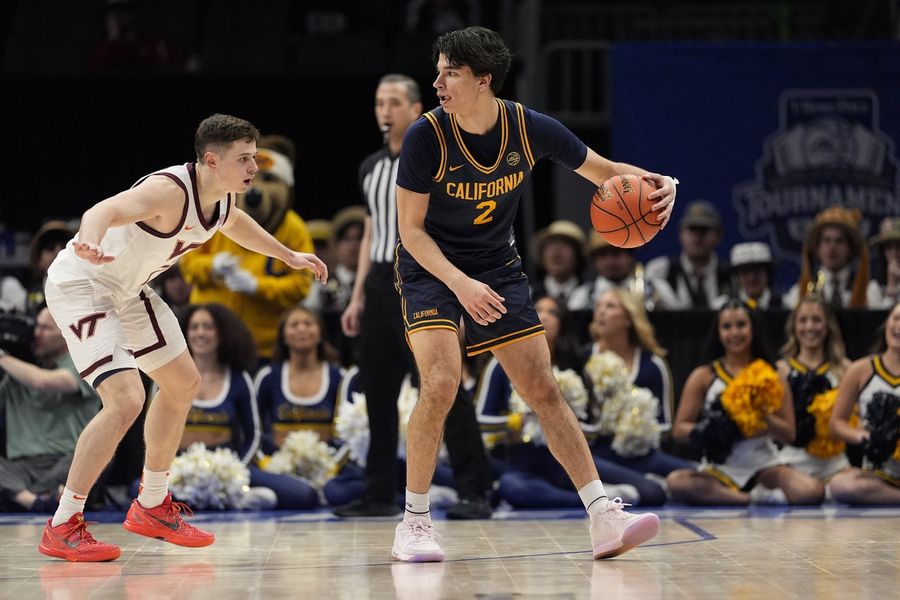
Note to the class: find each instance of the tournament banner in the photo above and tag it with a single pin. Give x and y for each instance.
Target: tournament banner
(770, 133)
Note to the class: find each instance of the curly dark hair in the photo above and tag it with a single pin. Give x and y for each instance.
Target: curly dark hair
(236, 349)
(480, 49)
(324, 350)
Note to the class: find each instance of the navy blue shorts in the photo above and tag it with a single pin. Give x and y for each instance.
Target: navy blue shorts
(429, 304)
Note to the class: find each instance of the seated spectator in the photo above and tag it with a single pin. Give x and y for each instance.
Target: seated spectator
(614, 267)
(741, 463)
(871, 387)
(125, 46)
(320, 230)
(558, 251)
(835, 262)
(47, 405)
(812, 362)
(28, 299)
(887, 251)
(332, 298)
(752, 272)
(299, 390)
(173, 289)
(696, 277)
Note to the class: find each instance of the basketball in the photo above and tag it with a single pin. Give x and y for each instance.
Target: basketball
(620, 211)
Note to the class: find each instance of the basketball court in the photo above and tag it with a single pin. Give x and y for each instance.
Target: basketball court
(766, 553)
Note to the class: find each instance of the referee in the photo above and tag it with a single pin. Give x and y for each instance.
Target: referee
(374, 312)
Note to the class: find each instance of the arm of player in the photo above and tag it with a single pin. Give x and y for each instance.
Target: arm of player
(241, 228)
(597, 170)
(353, 312)
(146, 202)
(36, 378)
(480, 301)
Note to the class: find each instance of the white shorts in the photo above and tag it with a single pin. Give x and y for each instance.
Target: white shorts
(820, 468)
(105, 333)
(748, 457)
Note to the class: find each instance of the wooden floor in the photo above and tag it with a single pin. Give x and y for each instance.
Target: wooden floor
(716, 553)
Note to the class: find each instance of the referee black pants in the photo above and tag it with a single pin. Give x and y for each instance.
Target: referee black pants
(384, 360)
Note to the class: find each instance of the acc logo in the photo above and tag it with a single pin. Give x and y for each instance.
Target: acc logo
(828, 150)
(513, 158)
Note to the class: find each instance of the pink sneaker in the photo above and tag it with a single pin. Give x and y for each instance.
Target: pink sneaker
(415, 541)
(614, 531)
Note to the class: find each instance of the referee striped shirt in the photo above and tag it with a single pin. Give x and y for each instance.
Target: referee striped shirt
(378, 180)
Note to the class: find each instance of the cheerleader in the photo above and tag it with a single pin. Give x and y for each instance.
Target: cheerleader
(738, 436)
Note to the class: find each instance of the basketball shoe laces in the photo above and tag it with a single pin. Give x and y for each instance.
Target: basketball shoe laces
(422, 533)
(80, 529)
(175, 510)
(616, 508)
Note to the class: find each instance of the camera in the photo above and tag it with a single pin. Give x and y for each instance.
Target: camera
(17, 335)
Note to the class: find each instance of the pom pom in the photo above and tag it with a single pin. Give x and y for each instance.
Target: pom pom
(209, 479)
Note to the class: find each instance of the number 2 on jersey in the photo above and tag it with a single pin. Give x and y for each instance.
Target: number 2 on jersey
(488, 206)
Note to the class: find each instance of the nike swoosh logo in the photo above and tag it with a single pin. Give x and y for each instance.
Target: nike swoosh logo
(163, 522)
(188, 227)
(457, 167)
(77, 497)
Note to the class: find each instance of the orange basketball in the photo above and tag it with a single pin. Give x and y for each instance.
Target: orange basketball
(620, 211)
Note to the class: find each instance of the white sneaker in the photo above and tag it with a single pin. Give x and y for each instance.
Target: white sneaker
(415, 541)
(760, 494)
(614, 531)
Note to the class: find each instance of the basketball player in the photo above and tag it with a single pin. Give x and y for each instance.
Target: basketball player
(462, 170)
(114, 324)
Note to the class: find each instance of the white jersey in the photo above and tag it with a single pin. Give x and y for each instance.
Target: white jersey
(141, 253)
(881, 381)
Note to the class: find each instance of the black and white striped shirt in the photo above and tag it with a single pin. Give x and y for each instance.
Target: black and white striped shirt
(378, 181)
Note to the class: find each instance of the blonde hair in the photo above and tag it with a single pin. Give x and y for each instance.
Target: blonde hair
(641, 331)
(835, 353)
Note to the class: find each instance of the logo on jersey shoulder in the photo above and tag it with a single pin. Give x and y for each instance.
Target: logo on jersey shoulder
(457, 167)
(78, 327)
(188, 227)
(431, 312)
(513, 158)
(181, 247)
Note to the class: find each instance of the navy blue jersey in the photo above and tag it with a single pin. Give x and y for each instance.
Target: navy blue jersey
(234, 410)
(475, 181)
(283, 412)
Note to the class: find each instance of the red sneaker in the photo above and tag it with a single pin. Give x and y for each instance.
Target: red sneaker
(164, 522)
(72, 541)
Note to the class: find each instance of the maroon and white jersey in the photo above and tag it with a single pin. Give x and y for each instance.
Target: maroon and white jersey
(141, 253)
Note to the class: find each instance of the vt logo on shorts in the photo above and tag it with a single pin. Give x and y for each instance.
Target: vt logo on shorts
(91, 322)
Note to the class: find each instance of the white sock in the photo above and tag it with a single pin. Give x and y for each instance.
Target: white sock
(154, 487)
(70, 504)
(594, 497)
(417, 507)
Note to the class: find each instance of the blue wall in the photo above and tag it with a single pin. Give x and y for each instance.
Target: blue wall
(770, 133)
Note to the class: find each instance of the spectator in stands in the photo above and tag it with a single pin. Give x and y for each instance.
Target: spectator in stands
(835, 262)
(172, 288)
(45, 245)
(751, 276)
(696, 277)
(558, 250)
(299, 389)
(812, 362)
(125, 46)
(740, 465)
(887, 250)
(614, 267)
(47, 405)
(870, 387)
(331, 299)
